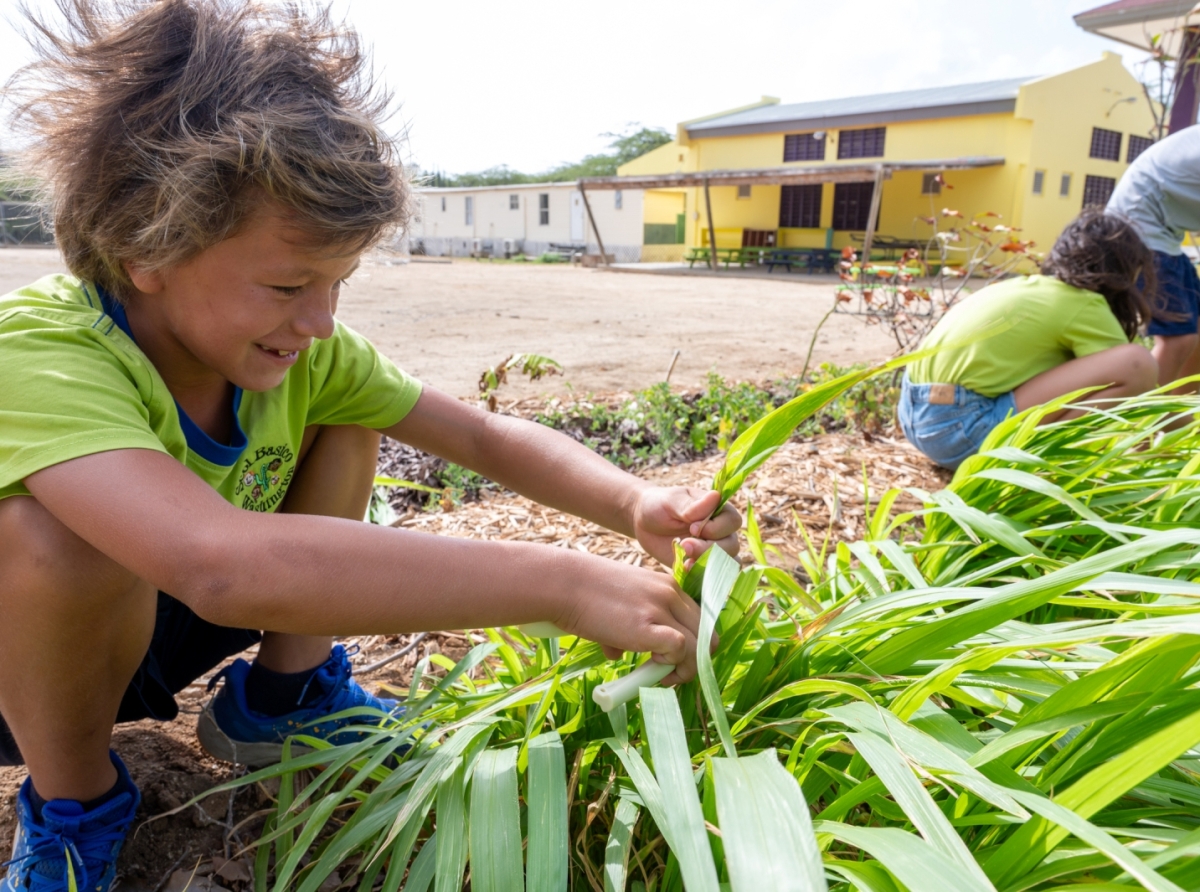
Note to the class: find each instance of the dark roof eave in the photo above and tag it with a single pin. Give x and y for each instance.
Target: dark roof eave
(833, 122)
(800, 174)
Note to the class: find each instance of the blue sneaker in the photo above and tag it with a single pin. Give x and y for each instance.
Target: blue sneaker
(69, 846)
(229, 730)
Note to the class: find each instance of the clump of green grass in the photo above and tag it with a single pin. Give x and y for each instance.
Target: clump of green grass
(1010, 702)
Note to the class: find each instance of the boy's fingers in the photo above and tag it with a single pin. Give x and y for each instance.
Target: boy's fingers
(693, 548)
(727, 522)
(699, 506)
(670, 645)
(612, 653)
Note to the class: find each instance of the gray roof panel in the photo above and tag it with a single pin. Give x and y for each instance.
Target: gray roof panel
(882, 108)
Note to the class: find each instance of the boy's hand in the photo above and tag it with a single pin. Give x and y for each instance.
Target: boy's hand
(666, 513)
(624, 608)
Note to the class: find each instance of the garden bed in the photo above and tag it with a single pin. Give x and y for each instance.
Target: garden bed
(818, 480)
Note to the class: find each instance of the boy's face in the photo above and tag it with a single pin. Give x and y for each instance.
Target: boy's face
(245, 308)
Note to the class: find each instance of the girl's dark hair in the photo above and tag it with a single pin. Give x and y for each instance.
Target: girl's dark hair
(1103, 253)
(159, 126)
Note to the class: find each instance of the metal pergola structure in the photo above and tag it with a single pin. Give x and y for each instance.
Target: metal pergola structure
(776, 176)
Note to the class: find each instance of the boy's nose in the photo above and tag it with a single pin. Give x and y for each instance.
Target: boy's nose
(315, 319)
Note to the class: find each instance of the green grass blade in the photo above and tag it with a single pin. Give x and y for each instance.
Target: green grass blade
(420, 874)
(681, 803)
(1103, 784)
(495, 832)
(1082, 829)
(616, 850)
(911, 860)
(911, 796)
(719, 579)
(765, 827)
(451, 859)
(1009, 601)
(547, 815)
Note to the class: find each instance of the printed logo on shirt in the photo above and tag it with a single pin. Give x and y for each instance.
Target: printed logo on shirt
(264, 478)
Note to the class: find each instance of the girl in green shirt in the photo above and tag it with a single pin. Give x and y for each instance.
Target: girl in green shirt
(1065, 330)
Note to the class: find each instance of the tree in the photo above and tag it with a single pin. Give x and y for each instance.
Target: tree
(634, 142)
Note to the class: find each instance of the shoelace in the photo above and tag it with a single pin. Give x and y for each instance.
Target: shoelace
(75, 852)
(335, 676)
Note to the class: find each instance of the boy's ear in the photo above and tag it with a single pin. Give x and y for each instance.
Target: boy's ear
(147, 281)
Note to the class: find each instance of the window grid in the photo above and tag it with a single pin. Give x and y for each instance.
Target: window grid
(1137, 145)
(862, 143)
(803, 147)
(514, 202)
(618, 199)
(931, 184)
(743, 191)
(1039, 182)
(800, 207)
(1106, 144)
(1064, 185)
(1097, 190)
(852, 205)
(470, 210)
(544, 209)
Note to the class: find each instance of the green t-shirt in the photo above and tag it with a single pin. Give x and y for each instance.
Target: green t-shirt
(74, 383)
(1040, 323)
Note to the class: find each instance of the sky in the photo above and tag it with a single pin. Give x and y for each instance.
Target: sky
(532, 84)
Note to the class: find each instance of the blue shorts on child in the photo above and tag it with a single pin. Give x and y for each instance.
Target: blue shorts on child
(948, 422)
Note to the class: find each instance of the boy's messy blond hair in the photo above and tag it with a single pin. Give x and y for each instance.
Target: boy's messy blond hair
(159, 125)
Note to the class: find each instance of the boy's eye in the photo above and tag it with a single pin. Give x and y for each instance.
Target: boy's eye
(288, 290)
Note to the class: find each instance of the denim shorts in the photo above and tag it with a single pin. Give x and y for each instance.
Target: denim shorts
(1178, 293)
(950, 432)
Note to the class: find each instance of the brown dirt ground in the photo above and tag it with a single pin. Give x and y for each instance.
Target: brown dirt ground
(445, 323)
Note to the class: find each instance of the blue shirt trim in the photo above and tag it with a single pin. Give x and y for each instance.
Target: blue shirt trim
(225, 456)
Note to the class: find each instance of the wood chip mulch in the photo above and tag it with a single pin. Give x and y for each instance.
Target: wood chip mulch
(816, 482)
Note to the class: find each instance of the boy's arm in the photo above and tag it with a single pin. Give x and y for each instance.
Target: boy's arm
(326, 576)
(553, 469)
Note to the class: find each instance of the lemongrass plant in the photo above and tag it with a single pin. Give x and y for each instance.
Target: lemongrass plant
(1008, 701)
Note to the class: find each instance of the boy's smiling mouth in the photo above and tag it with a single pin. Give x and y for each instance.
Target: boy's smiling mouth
(278, 355)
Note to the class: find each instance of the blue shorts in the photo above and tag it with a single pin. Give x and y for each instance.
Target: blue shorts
(1179, 293)
(950, 432)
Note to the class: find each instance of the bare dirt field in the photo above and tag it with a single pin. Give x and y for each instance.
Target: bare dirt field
(447, 322)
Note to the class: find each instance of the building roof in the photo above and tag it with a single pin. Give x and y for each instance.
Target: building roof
(990, 97)
(817, 173)
(1138, 22)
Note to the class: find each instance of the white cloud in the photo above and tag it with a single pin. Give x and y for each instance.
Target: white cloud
(532, 84)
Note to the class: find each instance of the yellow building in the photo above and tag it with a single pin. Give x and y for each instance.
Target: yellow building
(1033, 150)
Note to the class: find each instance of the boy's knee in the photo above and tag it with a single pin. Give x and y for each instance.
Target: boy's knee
(35, 542)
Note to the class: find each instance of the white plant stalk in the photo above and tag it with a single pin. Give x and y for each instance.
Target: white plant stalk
(612, 694)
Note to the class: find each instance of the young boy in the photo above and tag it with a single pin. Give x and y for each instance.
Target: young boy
(188, 436)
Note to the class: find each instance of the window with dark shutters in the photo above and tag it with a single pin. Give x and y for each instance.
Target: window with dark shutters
(861, 143)
(1106, 144)
(800, 207)
(852, 205)
(1137, 145)
(803, 147)
(1097, 190)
